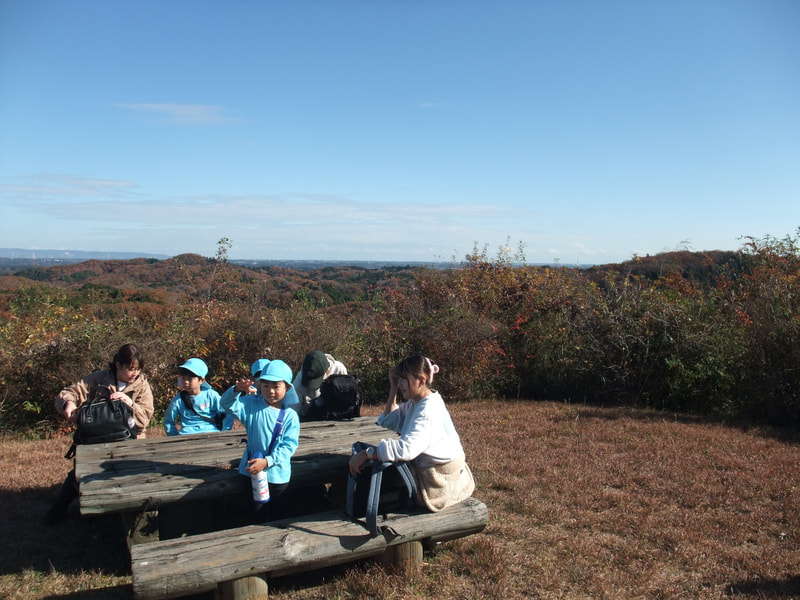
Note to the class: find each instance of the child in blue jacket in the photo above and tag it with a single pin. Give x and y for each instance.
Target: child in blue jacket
(197, 405)
(259, 415)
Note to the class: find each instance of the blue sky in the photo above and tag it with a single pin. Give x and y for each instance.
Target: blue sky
(588, 131)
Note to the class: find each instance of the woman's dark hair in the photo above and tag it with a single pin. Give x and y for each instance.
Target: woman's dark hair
(417, 365)
(127, 355)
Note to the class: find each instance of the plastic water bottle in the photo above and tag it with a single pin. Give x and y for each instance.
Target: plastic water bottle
(259, 481)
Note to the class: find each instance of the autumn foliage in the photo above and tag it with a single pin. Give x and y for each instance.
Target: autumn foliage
(714, 334)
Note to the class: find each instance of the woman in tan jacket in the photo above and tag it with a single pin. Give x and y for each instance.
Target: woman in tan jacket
(123, 380)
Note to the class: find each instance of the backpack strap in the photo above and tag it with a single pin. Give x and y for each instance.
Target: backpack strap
(216, 422)
(374, 495)
(349, 507)
(408, 479)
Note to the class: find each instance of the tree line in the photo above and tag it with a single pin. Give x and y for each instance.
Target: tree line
(715, 334)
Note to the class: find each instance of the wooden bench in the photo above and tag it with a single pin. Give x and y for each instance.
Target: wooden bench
(243, 558)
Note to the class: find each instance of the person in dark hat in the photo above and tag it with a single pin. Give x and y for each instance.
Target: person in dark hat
(317, 367)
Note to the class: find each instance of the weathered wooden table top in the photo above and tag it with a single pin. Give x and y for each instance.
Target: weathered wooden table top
(132, 475)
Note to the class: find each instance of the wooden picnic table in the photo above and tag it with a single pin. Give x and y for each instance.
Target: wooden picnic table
(145, 475)
(124, 476)
(155, 481)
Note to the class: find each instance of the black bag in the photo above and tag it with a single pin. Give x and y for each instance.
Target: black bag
(378, 489)
(102, 420)
(341, 398)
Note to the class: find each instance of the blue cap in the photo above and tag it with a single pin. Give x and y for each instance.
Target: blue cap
(277, 370)
(258, 366)
(196, 366)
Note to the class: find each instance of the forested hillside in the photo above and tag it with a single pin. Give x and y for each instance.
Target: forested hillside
(156, 285)
(190, 277)
(712, 333)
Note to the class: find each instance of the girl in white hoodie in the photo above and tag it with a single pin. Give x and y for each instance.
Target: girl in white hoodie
(428, 439)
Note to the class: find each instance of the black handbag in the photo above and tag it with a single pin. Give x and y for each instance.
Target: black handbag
(102, 420)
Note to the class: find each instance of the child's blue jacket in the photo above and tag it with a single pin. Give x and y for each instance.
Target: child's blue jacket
(259, 420)
(206, 403)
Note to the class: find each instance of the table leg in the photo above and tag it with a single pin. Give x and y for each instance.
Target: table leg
(253, 587)
(403, 557)
(140, 526)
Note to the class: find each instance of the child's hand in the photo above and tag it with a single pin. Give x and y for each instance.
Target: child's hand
(256, 465)
(245, 386)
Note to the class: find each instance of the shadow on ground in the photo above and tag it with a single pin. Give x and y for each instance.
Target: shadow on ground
(72, 546)
(785, 433)
(769, 588)
(80, 545)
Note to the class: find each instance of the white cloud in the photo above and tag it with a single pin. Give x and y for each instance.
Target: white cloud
(42, 185)
(84, 212)
(183, 114)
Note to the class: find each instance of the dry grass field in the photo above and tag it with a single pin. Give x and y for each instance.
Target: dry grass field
(584, 503)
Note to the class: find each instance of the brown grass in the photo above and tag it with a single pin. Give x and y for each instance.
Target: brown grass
(584, 503)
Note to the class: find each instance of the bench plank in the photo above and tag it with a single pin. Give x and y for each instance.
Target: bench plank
(196, 564)
(128, 475)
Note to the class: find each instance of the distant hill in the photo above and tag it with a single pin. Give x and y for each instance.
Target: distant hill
(20, 257)
(312, 265)
(337, 281)
(165, 282)
(42, 257)
(700, 266)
